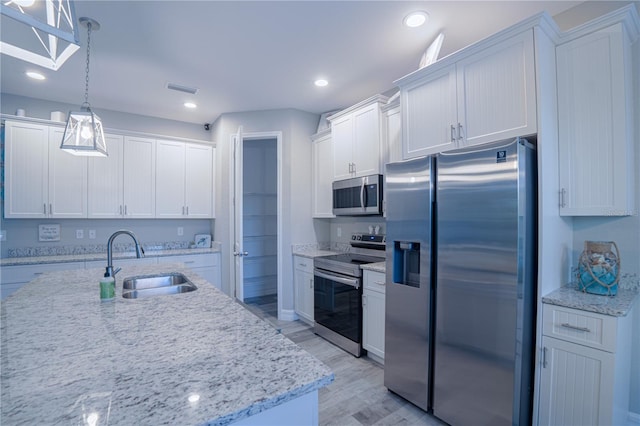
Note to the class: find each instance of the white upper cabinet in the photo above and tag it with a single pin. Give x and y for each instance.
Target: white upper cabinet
(358, 135)
(170, 179)
(184, 180)
(139, 177)
(322, 154)
(394, 131)
(429, 114)
(41, 180)
(67, 180)
(199, 178)
(477, 96)
(26, 170)
(105, 181)
(595, 118)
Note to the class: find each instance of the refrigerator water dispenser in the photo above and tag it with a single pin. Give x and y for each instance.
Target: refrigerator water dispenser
(406, 263)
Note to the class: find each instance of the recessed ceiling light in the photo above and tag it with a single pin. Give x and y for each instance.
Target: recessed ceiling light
(190, 105)
(321, 82)
(35, 75)
(415, 19)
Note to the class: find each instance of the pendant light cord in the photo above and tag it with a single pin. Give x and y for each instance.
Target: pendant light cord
(86, 87)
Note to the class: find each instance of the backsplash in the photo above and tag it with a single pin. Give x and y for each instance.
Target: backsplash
(98, 248)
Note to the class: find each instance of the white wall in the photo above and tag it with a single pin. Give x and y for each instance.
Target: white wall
(296, 127)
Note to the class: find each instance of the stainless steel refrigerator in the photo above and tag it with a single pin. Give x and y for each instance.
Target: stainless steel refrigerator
(461, 274)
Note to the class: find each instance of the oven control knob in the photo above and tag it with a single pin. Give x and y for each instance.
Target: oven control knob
(353, 237)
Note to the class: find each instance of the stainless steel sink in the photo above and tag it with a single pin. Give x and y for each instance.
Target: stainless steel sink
(156, 285)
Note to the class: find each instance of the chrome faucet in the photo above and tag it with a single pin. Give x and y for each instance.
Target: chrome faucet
(139, 251)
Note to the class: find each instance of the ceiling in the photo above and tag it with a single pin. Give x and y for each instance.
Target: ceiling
(248, 56)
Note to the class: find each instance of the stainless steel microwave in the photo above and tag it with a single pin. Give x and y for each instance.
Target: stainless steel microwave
(358, 196)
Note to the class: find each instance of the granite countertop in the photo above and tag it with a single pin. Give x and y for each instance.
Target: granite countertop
(82, 257)
(570, 296)
(66, 355)
(376, 267)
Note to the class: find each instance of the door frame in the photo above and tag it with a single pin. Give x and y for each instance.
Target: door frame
(277, 135)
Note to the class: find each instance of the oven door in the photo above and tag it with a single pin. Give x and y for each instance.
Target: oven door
(338, 304)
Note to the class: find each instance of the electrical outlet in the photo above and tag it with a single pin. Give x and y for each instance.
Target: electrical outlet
(79, 234)
(92, 234)
(3, 235)
(180, 231)
(339, 232)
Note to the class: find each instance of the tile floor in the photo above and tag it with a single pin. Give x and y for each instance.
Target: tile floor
(357, 396)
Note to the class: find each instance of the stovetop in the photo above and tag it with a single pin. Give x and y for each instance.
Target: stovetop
(349, 263)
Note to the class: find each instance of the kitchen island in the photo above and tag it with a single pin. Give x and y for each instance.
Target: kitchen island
(190, 358)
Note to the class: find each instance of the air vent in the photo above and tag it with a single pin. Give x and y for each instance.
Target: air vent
(180, 88)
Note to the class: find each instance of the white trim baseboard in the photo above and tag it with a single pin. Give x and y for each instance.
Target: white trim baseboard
(634, 418)
(287, 315)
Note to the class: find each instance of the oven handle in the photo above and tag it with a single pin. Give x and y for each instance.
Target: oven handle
(353, 282)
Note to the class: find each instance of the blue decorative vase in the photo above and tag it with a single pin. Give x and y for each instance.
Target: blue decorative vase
(599, 268)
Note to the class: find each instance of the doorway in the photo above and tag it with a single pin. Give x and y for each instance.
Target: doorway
(255, 215)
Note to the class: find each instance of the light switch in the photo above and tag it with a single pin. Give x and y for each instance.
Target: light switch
(180, 231)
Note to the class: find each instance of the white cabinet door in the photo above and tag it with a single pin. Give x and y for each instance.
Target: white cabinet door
(26, 170)
(366, 141)
(67, 180)
(303, 279)
(577, 384)
(429, 115)
(595, 136)
(139, 177)
(373, 312)
(322, 176)
(394, 134)
(199, 181)
(342, 136)
(170, 179)
(497, 92)
(105, 176)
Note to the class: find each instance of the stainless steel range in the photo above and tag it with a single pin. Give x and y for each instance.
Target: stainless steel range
(338, 292)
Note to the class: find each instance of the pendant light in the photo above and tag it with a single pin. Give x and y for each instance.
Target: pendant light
(84, 134)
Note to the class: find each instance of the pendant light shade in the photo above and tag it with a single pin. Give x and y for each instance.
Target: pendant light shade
(84, 134)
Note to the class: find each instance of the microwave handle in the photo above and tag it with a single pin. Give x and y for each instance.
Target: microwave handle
(362, 196)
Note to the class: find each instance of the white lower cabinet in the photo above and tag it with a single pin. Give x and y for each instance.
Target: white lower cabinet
(207, 265)
(585, 368)
(373, 313)
(14, 277)
(303, 287)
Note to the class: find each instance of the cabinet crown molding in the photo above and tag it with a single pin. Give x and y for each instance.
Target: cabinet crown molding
(541, 20)
(627, 15)
(381, 99)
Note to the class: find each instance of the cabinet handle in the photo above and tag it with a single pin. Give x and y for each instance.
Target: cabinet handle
(459, 131)
(311, 283)
(120, 209)
(44, 209)
(378, 282)
(354, 168)
(573, 327)
(38, 273)
(50, 209)
(125, 209)
(563, 194)
(453, 134)
(182, 210)
(187, 262)
(544, 357)
(187, 210)
(304, 265)
(364, 300)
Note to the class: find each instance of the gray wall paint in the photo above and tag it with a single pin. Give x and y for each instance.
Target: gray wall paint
(296, 127)
(112, 120)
